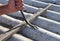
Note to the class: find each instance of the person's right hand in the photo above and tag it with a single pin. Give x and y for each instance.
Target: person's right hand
(15, 5)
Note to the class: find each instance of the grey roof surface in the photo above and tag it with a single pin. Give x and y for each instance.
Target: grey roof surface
(48, 23)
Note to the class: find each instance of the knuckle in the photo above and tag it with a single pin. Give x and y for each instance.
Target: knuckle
(21, 8)
(22, 0)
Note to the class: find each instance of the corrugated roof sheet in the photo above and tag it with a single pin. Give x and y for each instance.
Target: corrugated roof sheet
(48, 22)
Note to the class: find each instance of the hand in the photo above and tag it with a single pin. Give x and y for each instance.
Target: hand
(15, 5)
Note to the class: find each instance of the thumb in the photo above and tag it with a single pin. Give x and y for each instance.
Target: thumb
(11, 3)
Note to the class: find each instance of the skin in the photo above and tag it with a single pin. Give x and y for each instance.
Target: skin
(12, 6)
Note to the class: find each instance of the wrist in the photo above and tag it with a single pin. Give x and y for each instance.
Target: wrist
(3, 9)
(7, 10)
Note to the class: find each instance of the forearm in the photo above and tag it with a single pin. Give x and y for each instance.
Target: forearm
(3, 9)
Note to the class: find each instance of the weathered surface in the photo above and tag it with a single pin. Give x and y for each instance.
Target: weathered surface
(15, 37)
(48, 14)
(37, 33)
(40, 34)
(7, 35)
(40, 4)
(51, 1)
(48, 25)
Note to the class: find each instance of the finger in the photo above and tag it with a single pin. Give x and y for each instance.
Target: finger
(20, 6)
(19, 2)
(16, 1)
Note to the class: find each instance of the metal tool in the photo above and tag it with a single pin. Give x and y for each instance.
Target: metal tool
(33, 26)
